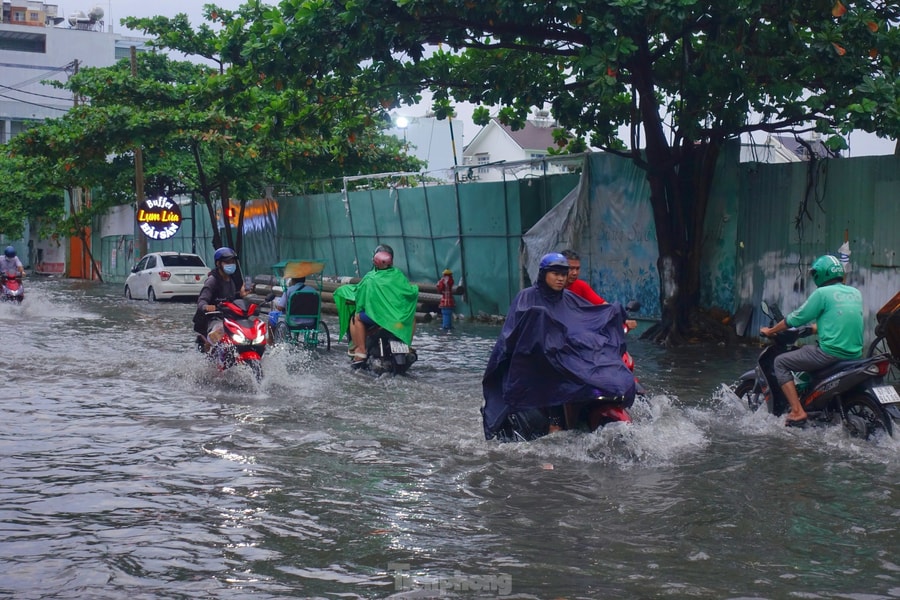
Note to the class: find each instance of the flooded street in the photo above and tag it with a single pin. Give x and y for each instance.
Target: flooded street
(131, 468)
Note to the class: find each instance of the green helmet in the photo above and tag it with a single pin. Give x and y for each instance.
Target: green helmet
(826, 268)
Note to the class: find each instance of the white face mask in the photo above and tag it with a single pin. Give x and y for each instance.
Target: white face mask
(229, 269)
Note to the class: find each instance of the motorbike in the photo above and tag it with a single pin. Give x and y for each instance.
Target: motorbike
(850, 390)
(12, 290)
(588, 415)
(244, 340)
(386, 353)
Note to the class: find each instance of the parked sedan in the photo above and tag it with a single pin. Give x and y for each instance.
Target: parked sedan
(162, 275)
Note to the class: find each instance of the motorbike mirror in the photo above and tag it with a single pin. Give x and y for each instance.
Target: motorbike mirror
(764, 306)
(633, 306)
(270, 297)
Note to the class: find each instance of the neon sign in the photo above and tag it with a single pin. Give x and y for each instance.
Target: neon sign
(159, 218)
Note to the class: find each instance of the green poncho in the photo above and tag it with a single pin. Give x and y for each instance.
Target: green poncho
(386, 296)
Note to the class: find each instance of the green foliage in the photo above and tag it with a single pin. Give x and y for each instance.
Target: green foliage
(681, 76)
(215, 131)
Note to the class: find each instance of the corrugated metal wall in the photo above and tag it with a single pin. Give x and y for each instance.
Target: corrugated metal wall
(753, 246)
(473, 229)
(792, 213)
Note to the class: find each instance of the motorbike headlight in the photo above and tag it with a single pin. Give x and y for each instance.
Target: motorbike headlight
(238, 337)
(261, 330)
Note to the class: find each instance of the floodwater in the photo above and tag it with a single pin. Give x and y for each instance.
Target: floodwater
(130, 468)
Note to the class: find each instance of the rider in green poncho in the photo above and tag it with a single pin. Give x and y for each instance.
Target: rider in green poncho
(383, 297)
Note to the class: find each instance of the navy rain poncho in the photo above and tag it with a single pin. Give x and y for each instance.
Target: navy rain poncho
(554, 348)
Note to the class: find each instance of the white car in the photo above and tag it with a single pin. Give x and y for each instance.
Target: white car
(162, 275)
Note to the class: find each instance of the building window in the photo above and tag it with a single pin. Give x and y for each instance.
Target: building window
(23, 42)
(18, 17)
(34, 17)
(482, 158)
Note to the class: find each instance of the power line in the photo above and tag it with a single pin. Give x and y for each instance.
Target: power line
(18, 91)
(34, 103)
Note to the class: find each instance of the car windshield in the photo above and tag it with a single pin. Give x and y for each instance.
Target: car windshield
(182, 260)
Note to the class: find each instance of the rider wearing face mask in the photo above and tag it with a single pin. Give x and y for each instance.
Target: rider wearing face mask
(220, 286)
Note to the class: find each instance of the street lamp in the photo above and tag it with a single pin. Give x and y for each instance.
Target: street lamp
(402, 123)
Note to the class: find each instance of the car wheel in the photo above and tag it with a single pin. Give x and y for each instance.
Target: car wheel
(128, 293)
(151, 295)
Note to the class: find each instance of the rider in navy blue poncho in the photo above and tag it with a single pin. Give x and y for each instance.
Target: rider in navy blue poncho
(554, 348)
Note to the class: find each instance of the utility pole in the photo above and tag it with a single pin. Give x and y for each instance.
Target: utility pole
(138, 176)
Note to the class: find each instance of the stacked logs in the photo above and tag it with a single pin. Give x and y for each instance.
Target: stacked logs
(429, 297)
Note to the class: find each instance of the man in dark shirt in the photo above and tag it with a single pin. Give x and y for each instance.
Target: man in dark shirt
(220, 286)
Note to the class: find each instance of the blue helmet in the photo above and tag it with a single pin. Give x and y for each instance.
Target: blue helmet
(224, 253)
(10, 252)
(554, 262)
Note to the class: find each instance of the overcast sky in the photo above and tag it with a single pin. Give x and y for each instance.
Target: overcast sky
(861, 144)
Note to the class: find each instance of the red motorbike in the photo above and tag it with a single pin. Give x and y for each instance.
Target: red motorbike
(244, 339)
(12, 290)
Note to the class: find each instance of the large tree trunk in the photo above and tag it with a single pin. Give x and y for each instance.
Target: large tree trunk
(680, 181)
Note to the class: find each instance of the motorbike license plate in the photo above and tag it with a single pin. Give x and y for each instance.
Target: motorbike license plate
(887, 394)
(401, 348)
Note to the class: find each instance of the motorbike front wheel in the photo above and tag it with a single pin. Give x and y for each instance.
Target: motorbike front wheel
(744, 391)
(256, 368)
(864, 417)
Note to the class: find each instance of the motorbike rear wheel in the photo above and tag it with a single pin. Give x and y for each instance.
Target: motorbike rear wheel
(744, 391)
(880, 346)
(863, 416)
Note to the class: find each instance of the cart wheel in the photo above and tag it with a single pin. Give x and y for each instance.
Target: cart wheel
(281, 334)
(324, 335)
(880, 346)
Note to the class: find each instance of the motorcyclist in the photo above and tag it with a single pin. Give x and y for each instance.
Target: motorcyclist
(219, 286)
(836, 311)
(10, 265)
(554, 348)
(384, 297)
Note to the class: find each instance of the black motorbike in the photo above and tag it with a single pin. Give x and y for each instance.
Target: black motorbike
(850, 390)
(386, 353)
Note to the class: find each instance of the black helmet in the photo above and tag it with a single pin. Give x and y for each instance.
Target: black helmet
(10, 252)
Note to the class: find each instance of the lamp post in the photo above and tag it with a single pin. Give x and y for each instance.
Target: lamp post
(402, 123)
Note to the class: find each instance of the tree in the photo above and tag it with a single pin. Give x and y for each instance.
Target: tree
(199, 133)
(684, 75)
(267, 134)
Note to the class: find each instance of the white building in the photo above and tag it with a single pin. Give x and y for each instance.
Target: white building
(38, 44)
(783, 149)
(497, 145)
